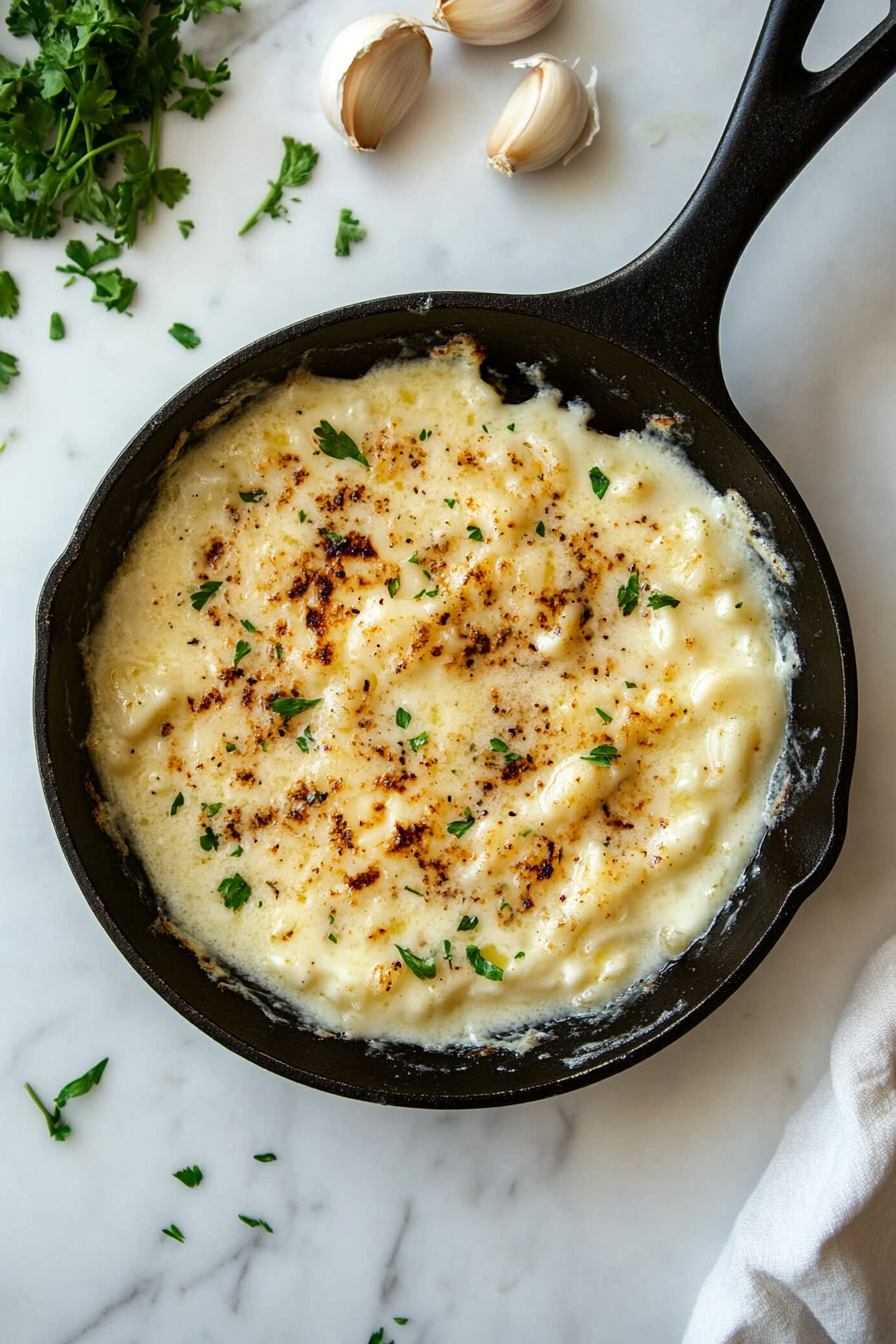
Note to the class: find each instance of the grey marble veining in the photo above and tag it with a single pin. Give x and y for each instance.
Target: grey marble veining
(592, 1217)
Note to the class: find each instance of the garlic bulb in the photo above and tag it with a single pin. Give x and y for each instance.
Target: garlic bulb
(551, 116)
(489, 23)
(372, 75)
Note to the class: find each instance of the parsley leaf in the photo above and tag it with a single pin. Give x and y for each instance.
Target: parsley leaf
(289, 706)
(304, 740)
(423, 967)
(9, 295)
(460, 828)
(254, 1222)
(502, 748)
(204, 592)
(174, 1233)
(450, 502)
(253, 629)
(607, 718)
(251, 496)
(467, 923)
(392, 586)
(402, 718)
(657, 600)
(601, 755)
(482, 966)
(184, 335)
(57, 327)
(235, 890)
(419, 741)
(348, 232)
(338, 445)
(56, 1127)
(9, 369)
(188, 1176)
(84, 1084)
(414, 891)
(632, 685)
(186, 227)
(540, 529)
(336, 539)
(111, 288)
(600, 483)
(239, 653)
(474, 533)
(265, 1157)
(295, 170)
(212, 808)
(177, 805)
(208, 840)
(627, 597)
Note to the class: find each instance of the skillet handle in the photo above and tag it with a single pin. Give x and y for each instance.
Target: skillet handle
(666, 305)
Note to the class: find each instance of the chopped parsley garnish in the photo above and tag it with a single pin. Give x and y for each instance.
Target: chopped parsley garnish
(114, 290)
(600, 483)
(237, 853)
(657, 600)
(413, 560)
(467, 923)
(188, 1176)
(230, 746)
(540, 529)
(519, 956)
(426, 592)
(392, 586)
(332, 937)
(482, 966)
(295, 170)
(57, 327)
(338, 444)
(247, 625)
(289, 705)
(254, 1222)
(278, 652)
(265, 1157)
(602, 755)
(9, 369)
(424, 435)
(235, 890)
(212, 808)
(56, 1127)
(303, 517)
(177, 805)
(239, 653)
(447, 946)
(186, 227)
(474, 533)
(485, 427)
(502, 748)
(419, 741)
(9, 290)
(423, 967)
(512, 428)
(184, 335)
(460, 828)
(450, 502)
(607, 718)
(414, 891)
(334, 538)
(402, 718)
(627, 597)
(348, 232)
(632, 685)
(173, 1232)
(208, 840)
(203, 593)
(304, 740)
(738, 605)
(400, 1320)
(251, 496)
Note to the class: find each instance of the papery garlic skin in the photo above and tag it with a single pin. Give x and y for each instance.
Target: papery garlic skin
(551, 116)
(491, 23)
(373, 73)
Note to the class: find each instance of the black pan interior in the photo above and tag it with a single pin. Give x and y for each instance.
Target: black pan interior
(623, 389)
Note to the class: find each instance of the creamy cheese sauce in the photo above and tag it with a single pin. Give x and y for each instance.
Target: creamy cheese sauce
(525, 767)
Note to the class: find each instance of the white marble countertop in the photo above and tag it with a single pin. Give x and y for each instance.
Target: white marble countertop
(591, 1217)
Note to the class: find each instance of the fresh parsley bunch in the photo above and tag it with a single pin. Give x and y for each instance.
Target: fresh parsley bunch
(106, 69)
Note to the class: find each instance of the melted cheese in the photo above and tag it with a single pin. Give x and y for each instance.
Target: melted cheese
(471, 578)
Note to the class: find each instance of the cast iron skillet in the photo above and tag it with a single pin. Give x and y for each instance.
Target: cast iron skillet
(640, 342)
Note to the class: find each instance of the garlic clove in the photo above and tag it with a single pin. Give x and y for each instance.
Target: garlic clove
(373, 73)
(490, 23)
(552, 115)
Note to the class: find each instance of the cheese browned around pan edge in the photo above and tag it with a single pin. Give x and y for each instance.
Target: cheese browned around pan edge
(456, 610)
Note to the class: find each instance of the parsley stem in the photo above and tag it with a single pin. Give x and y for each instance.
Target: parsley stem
(253, 219)
(100, 149)
(155, 135)
(75, 123)
(37, 1101)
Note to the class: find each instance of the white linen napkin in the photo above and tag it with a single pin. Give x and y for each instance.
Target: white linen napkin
(811, 1258)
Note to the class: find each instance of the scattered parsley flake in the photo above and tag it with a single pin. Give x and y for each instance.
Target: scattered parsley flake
(235, 890)
(447, 946)
(423, 967)
(251, 496)
(9, 290)
(304, 739)
(348, 232)
(419, 741)
(295, 170)
(173, 1232)
(177, 805)
(230, 746)
(332, 937)
(57, 327)
(184, 335)
(110, 288)
(278, 652)
(413, 560)
(336, 539)
(402, 717)
(9, 369)
(512, 428)
(186, 227)
(239, 653)
(392, 586)
(467, 923)
(208, 840)
(265, 1157)
(482, 966)
(212, 808)
(657, 600)
(254, 1222)
(738, 605)
(627, 597)
(338, 444)
(400, 1320)
(474, 533)
(414, 891)
(600, 483)
(303, 517)
(289, 706)
(56, 1127)
(460, 828)
(450, 502)
(247, 625)
(237, 854)
(607, 718)
(540, 529)
(485, 427)
(601, 755)
(632, 685)
(188, 1176)
(203, 593)
(519, 956)
(424, 435)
